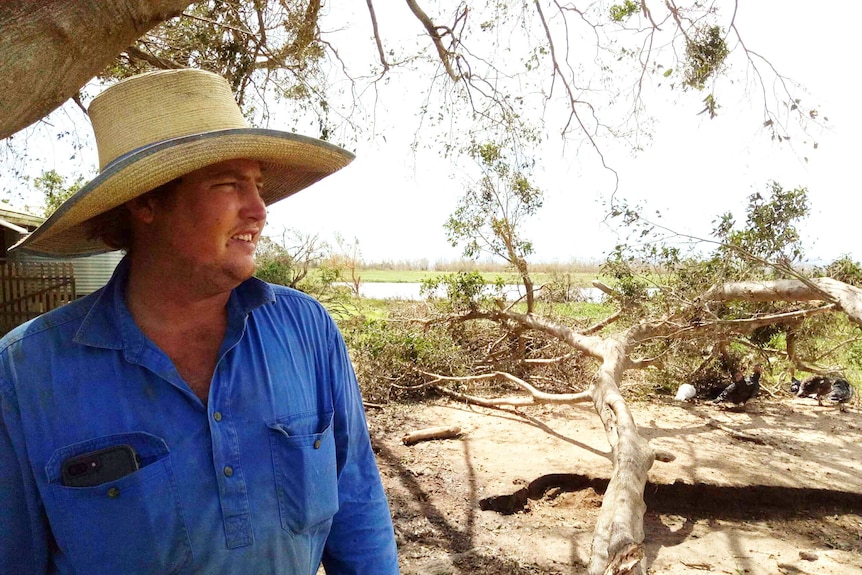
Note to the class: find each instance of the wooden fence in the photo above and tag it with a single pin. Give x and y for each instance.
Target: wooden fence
(30, 289)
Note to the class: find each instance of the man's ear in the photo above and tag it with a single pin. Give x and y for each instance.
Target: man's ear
(142, 208)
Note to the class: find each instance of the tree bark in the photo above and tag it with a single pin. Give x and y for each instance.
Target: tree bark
(431, 433)
(52, 48)
(617, 547)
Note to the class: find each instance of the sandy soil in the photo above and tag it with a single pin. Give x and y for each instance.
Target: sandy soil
(791, 504)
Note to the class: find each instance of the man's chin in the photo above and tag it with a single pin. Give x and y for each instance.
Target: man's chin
(238, 272)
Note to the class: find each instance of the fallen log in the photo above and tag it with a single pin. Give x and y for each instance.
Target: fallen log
(431, 433)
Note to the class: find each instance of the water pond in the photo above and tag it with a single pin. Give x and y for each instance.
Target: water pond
(410, 291)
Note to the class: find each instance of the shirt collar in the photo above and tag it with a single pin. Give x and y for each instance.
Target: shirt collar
(110, 325)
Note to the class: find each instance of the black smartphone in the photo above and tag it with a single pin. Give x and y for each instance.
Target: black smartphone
(101, 466)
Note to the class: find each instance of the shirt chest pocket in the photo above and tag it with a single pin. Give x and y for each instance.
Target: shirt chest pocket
(133, 525)
(306, 482)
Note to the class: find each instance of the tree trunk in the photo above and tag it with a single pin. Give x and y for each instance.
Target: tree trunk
(618, 547)
(52, 48)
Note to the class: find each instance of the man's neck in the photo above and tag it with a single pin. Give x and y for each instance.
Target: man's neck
(158, 302)
(186, 325)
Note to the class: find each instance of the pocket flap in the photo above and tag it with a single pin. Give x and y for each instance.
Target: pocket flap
(309, 425)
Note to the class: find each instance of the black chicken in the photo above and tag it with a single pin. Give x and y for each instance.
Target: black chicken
(742, 389)
(818, 385)
(794, 383)
(841, 393)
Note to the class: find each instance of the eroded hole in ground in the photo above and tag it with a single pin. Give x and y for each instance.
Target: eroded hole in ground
(692, 500)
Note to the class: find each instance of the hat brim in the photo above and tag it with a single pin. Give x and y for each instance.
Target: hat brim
(290, 162)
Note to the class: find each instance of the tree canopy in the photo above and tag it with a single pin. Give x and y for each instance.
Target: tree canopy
(524, 71)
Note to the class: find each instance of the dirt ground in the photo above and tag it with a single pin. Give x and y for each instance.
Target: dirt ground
(791, 504)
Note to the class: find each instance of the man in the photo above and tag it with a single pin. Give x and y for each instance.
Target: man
(187, 418)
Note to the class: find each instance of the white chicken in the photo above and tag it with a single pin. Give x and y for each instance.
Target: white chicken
(686, 392)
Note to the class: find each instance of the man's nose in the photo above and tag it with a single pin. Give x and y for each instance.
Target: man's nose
(255, 207)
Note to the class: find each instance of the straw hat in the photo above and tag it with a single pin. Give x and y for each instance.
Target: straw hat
(155, 127)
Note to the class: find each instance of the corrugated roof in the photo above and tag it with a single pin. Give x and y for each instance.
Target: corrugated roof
(21, 219)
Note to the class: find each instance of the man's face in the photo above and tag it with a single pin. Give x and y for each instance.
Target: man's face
(208, 228)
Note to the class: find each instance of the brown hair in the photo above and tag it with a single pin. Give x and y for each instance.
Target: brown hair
(114, 227)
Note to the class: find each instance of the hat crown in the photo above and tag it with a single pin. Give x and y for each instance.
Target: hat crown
(157, 127)
(159, 106)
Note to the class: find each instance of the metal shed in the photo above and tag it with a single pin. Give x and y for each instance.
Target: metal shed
(91, 272)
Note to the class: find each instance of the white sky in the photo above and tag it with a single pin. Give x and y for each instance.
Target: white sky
(395, 202)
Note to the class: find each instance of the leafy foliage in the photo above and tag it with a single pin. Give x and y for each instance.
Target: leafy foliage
(621, 12)
(288, 264)
(655, 280)
(705, 53)
(389, 352)
(489, 217)
(483, 73)
(465, 291)
(561, 288)
(844, 269)
(56, 189)
(263, 48)
(770, 231)
(291, 263)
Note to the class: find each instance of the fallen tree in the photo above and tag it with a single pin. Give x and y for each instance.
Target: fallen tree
(618, 540)
(688, 317)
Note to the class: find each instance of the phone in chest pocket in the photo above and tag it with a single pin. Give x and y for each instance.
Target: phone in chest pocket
(101, 466)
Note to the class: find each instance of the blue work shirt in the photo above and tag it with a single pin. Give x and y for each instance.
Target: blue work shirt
(273, 475)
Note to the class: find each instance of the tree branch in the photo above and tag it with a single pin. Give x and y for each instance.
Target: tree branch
(377, 39)
(536, 397)
(135, 53)
(846, 297)
(433, 31)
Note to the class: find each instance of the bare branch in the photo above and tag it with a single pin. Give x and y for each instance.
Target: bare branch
(602, 324)
(431, 433)
(245, 32)
(77, 99)
(548, 360)
(605, 288)
(377, 38)
(536, 396)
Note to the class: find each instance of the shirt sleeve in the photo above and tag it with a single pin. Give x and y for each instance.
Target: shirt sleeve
(362, 540)
(23, 543)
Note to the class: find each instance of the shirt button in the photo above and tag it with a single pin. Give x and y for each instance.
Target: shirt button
(113, 492)
(228, 471)
(217, 415)
(317, 444)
